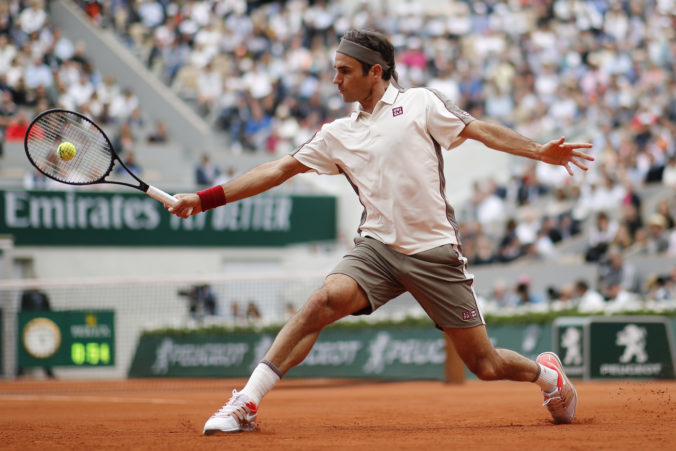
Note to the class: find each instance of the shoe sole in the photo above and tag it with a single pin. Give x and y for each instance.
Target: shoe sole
(248, 428)
(219, 432)
(566, 382)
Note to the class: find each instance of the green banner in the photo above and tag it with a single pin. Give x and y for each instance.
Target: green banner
(370, 352)
(639, 347)
(196, 355)
(569, 337)
(620, 347)
(96, 218)
(66, 338)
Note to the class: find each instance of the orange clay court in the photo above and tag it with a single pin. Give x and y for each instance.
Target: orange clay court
(334, 414)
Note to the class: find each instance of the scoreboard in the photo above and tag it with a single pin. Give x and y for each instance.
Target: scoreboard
(74, 338)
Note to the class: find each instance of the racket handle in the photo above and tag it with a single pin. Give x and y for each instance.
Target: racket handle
(160, 195)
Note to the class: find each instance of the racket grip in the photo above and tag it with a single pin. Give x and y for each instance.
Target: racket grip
(160, 195)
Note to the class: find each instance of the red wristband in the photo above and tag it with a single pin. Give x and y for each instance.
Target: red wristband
(212, 197)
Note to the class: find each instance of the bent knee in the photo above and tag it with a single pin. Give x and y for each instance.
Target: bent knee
(322, 308)
(338, 297)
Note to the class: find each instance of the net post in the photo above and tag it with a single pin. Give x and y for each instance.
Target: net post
(454, 369)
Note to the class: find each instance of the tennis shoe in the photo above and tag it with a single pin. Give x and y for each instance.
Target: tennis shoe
(237, 415)
(561, 402)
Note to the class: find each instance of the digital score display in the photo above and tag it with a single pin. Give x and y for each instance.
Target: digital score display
(75, 338)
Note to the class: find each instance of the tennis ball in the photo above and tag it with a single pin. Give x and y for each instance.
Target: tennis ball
(66, 151)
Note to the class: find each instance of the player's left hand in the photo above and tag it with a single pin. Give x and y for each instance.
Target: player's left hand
(562, 153)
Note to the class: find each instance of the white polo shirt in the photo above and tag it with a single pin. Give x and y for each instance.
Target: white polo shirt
(392, 157)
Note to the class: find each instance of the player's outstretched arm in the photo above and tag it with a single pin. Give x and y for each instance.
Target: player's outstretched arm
(505, 139)
(257, 180)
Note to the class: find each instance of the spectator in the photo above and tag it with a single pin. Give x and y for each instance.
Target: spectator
(669, 174)
(484, 250)
(258, 128)
(36, 180)
(37, 73)
(253, 315)
(631, 219)
(209, 88)
(130, 162)
(201, 301)
(35, 300)
(7, 111)
(238, 316)
(587, 300)
(600, 235)
(8, 52)
(550, 229)
(510, 247)
(159, 134)
(33, 17)
(124, 140)
(664, 209)
(62, 47)
(525, 297)
(659, 288)
(658, 236)
(17, 126)
(207, 172)
(122, 106)
(616, 276)
(623, 239)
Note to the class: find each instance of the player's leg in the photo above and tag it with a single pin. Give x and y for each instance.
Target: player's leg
(439, 281)
(487, 362)
(490, 363)
(338, 297)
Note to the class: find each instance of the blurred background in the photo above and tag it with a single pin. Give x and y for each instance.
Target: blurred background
(194, 92)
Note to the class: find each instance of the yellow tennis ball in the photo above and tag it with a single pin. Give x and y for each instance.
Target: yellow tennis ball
(66, 151)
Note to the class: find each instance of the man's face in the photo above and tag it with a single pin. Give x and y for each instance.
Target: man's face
(353, 85)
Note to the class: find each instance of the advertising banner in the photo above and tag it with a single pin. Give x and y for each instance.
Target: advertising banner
(376, 353)
(98, 218)
(569, 336)
(631, 348)
(369, 352)
(620, 347)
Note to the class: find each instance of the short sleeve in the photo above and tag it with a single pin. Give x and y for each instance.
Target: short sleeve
(445, 120)
(316, 154)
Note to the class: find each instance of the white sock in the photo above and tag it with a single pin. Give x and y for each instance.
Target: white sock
(547, 379)
(261, 381)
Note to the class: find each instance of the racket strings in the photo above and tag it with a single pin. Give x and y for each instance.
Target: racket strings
(93, 159)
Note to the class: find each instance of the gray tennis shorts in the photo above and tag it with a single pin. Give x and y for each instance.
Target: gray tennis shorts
(436, 278)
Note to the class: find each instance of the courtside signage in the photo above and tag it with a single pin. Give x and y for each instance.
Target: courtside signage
(364, 353)
(96, 218)
(402, 353)
(569, 337)
(620, 347)
(631, 347)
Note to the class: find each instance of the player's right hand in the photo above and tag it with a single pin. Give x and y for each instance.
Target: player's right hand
(188, 205)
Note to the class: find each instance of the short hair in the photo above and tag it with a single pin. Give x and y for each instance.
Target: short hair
(378, 42)
(582, 285)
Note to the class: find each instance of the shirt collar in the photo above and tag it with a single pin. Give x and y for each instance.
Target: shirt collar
(389, 96)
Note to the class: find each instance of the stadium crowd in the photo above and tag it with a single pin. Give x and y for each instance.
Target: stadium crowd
(600, 71)
(41, 68)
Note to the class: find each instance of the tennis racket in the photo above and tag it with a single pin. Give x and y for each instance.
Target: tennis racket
(94, 157)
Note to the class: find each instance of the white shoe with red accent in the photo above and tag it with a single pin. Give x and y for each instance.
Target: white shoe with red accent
(237, 415)
(561, 402)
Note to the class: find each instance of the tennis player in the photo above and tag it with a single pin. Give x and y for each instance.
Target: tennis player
(390, 150)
